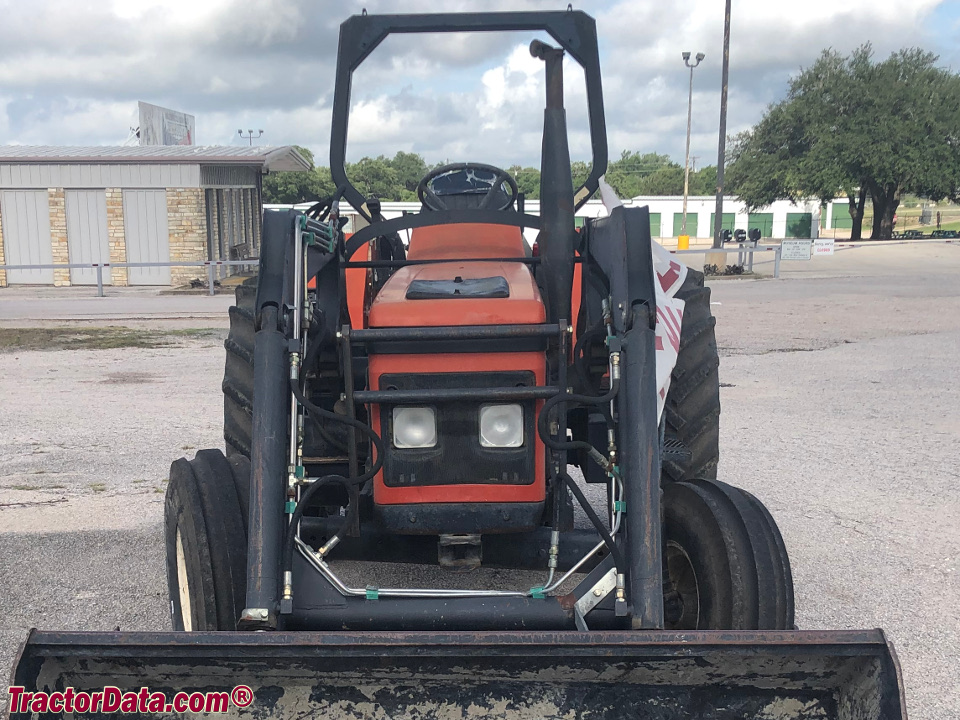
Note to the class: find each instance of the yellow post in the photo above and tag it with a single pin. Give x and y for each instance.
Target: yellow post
(683, 242)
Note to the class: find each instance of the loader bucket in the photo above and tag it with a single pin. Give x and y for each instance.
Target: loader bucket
(808, 675)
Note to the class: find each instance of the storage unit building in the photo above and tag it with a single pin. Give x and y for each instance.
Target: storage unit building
(151, 204)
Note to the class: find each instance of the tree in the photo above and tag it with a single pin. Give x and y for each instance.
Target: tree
(410, 168)
(396, 178)
(667, 180)
(375, 176)
(580, 170)
(704, 181)
(626, 175)
(528, 180)
(855, 128)
(295, 187)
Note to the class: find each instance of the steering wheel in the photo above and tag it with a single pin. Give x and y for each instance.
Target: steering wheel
(433, 201)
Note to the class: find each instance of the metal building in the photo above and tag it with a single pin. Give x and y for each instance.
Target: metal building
(131, 204)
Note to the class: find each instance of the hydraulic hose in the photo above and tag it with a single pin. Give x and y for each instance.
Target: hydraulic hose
(578, 359)
(576, 398)
(595, 454)
(316, 412)
(305, 499)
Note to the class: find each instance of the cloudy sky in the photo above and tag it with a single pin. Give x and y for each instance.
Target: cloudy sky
(72, 71)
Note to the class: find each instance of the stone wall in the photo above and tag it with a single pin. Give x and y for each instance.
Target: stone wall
(115, 235)
(58, 235)
(211, 200)
(187, 228)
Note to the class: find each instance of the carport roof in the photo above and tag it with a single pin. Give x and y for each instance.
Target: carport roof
(284, 157)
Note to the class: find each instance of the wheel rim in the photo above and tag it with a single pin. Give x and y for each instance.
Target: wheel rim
(682, 576)
(183, 585)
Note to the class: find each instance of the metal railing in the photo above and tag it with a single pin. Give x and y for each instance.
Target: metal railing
(745, 252)
(211, 266)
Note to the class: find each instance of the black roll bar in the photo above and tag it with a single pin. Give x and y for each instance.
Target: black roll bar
(574, 30)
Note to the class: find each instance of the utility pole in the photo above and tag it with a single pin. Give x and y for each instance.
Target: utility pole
(722, 153)
(686, 162)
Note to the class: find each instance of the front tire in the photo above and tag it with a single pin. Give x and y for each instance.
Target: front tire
(725, 561)
(206, 541)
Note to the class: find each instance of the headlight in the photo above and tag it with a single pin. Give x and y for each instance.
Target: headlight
(414, 427)
(501, 426)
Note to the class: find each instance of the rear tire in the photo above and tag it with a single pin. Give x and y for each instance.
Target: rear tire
(238, 387)
(238, 372)
(206, 541)
(692, 409)
(726, 560)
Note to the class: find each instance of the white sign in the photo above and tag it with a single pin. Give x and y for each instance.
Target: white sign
(823, 246)
(796, 249)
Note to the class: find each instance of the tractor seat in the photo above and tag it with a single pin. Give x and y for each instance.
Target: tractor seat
(467, 240)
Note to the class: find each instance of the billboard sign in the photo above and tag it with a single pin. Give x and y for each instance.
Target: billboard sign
(162, 126)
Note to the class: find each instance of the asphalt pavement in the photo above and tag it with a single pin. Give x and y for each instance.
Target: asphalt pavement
(21, 305)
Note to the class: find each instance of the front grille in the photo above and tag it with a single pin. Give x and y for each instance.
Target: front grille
(458, 458)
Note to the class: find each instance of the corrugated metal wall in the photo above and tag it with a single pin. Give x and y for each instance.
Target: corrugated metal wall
(26, 235)
(98, 176)
(227, 176)
(87, 239)
(145, 230)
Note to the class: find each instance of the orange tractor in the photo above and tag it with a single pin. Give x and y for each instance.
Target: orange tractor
(437, 424)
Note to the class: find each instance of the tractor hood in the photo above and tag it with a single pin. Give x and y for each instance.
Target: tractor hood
(458, 293)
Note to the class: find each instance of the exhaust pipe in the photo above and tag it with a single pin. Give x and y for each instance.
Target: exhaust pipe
(557, 226)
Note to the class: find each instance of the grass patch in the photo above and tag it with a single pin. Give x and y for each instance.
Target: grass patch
(191, 332)
(100, 338)
(98, 487)
(26, 487)
(93, 338)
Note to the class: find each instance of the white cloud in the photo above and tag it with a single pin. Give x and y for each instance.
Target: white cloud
(646, 81)
(184, 11)
(270, 64)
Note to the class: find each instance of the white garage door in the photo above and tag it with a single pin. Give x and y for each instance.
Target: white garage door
(25, 215)
(145, 230)
(87, 234)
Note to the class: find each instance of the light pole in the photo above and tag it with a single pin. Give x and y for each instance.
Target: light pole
(686, 162)
(722, 149)
(250, 136)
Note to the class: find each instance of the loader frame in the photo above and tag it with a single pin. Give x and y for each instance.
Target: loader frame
(320, 601)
